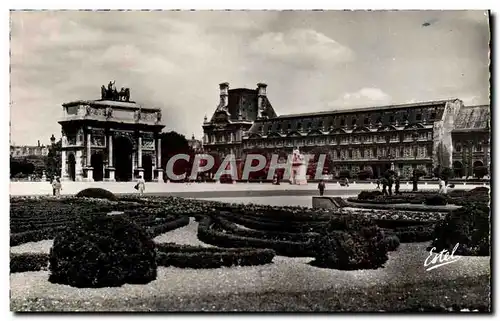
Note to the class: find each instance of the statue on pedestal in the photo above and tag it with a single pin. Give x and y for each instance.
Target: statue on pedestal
(112, 94)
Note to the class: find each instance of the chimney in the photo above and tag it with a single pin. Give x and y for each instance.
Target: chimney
(224, 92)
(261, 96)
(38, 143)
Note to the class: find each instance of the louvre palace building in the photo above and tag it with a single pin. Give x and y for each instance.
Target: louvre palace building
(402, 137)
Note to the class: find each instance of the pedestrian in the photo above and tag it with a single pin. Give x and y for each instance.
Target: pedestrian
(57, 187)
(52, 183)
(346, 182)
(321, 187)
(396, 185)
(442, 186)
(378, 183)
(384, 186)
(141, 185)
(390, 181)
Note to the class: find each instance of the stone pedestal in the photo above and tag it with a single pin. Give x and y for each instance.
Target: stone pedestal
(111, 174)
(89, 173)
(159, 175)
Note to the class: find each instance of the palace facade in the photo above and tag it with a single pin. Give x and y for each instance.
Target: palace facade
(110, 139)
(402, 137)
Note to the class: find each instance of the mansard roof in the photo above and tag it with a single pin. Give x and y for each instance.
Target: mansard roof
(245, 101)
(110, 103)
(368, 109)
(473, 117)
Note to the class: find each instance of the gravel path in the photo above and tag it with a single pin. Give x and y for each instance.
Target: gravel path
(285, 275)
(186, 235)
(33, 247)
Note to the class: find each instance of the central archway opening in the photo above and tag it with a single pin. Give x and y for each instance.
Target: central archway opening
(97, 162)
(147, 165)
(71, 166)
(122, 157)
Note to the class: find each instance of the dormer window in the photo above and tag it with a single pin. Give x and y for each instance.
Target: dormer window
(289, 126)
(309, 125)
(353, 122)
(418, 117)
(433, 115)
(299, 126)
(342, 122)
(379, 120)
(391, 119)
(366, 121)
(278, 126)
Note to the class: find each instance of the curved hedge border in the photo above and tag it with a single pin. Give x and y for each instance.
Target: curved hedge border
(25, 262)
(424, 208)
(34, 236)
(197, 257)
(270, 235)
(168, 226)
(285, 248)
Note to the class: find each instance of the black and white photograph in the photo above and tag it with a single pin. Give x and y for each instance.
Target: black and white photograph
(250, 161)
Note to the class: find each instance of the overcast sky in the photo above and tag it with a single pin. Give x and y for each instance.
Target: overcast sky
(311, 61)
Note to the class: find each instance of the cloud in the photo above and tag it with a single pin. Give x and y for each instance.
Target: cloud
(301, 47)
(365, 97)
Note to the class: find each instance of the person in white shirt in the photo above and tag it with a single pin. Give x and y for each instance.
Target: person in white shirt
(442, 186)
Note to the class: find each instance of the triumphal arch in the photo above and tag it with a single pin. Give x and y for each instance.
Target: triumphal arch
(110, 139)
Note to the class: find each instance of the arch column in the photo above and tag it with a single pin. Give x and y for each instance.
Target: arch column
(111, 167)
(159, 170)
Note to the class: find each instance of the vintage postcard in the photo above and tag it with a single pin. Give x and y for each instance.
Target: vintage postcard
(236, 161)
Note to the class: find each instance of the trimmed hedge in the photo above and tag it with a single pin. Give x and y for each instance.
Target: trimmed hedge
(208, 234)
(97, 193)
(103, 251)
(360, 245)
(168, 226)
(35, 236)
(369, 195)
(436, 200)
(186, 256)
(469, 226)
(270, 235)
(23, 262)
(392, 242)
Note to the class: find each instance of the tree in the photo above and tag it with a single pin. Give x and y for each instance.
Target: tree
(173, 143)
(53, 160)
(443, 172)
(480, 171)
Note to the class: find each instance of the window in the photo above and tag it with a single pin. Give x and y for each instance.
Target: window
(353, 122)
(261, 129)
(362, 152)
(458, 148)
(433, 115)
(309, 125)
(350, 153)
(342, 122)
(278, 127)
(366, 121)
(338, 153)
(375, 152)
(289, 126)
(379, 120)
(391, 119)
(419, 117)
(299, 126)
(479, 148)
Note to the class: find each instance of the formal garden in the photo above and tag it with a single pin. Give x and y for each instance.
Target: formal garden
(99, 252)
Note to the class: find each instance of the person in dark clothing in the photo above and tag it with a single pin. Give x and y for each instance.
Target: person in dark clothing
(390, 181)
(396, 186)
(378, 183)
(321, 187)
(415, 183)
(384, 186)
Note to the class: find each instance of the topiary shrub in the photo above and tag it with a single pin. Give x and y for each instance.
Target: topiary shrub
(469, 226)
(22, 262)
(97, 193)
(103, 251)
(369, 195)
(359, 245)
(392, 243)
(437, 199)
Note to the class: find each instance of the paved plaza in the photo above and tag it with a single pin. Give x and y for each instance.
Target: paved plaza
(211, 189)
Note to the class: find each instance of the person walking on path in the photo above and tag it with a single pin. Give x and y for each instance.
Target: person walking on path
(390, 181)
(384, 186)
(321, 187)
(57, 187)
(141, 185)
(397, 183)
(378, 183)
(52, 183)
